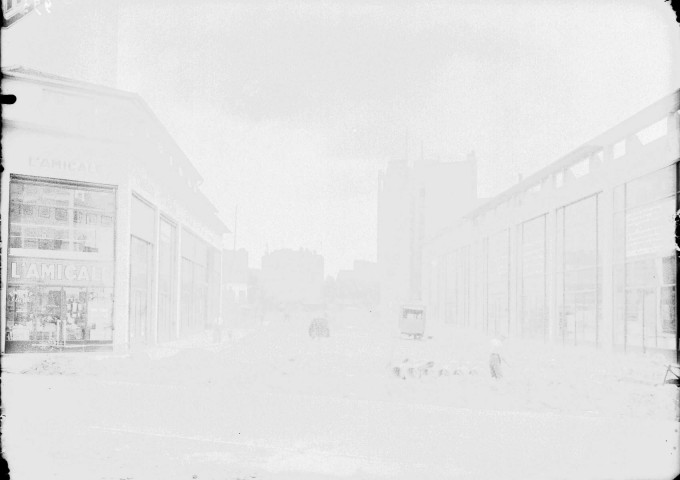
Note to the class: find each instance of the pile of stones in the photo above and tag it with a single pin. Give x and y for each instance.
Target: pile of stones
(408, 368)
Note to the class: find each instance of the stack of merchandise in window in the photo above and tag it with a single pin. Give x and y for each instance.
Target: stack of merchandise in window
(60, 262)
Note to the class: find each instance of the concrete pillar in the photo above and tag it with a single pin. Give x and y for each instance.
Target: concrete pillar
(606, 247)
(178, 281)
(550, 291)
(155, 275)
(121, 303)
(514, 280)
(4, 225)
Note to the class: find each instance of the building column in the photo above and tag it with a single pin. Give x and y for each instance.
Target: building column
(514, 280)
(550, 275)
(606, 247)
(156, 278)
(220, 280)
(4, 233)
(178, 281)
(121, 302)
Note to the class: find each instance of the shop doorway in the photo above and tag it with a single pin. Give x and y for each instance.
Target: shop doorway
(140, 291)
(167, 273)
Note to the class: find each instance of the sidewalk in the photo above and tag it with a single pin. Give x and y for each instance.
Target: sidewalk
(113, 362)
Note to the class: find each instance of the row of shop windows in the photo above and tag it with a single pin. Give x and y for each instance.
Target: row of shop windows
(61, 261)
(199, 304)
(644, 271)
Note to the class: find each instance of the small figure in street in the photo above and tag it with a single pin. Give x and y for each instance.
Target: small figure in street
(495, 358)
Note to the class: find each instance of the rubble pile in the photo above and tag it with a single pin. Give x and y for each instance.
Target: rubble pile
(49, 366)
(408, 368)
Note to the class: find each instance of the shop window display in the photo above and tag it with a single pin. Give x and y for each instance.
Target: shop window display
(61, 218)
(578, 271)
(167, 272)
(461, 276)
(60, 273)
(57, 316)
(533, 279)
(194, 283)
(498, 277)
(645, 261)
(448, 288)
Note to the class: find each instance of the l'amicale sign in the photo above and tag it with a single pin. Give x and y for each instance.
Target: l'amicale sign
(59, 272)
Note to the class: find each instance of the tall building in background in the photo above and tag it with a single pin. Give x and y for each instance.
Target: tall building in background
(235, 273)
(415, 203)
(292, 277)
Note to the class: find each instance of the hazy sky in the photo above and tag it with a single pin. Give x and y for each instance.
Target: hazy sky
(290, 109)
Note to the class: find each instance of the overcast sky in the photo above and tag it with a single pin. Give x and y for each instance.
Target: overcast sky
(290, 109)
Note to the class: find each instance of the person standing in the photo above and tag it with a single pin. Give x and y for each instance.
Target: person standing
(495, 358)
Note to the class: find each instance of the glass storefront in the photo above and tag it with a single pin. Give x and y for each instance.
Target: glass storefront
(461, 286)
(142, 239)
(533, 312)
(167, 272)
(578, 269)
(214, 281)
(194, 286)
(480, 266)
(60, 265)
(498, 296)
(448, 288)
(645, 269)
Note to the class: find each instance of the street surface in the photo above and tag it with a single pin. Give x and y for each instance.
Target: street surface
(276, 404)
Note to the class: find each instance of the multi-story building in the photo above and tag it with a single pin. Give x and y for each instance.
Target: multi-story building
(415, 203)
(107, 239)
(581, 252)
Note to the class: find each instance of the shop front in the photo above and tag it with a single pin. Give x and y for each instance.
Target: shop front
(60, 265)
(107, 241)
(645, 279)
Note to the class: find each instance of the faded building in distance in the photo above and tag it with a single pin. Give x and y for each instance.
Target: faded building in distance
(292, 278)
(581, 252)
(235, 279)
(107, 238)
(359, 286)
(415, 203)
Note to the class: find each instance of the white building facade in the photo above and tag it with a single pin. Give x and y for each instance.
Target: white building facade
(107, 240)
(582, 252)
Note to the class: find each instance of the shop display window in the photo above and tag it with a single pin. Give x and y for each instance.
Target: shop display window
(61, 256)
(60, 217)
(644, 275)
(194, 286)
(167, 273)
(498, 272)
(533, 278)
(53, 316)
(578, 271)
